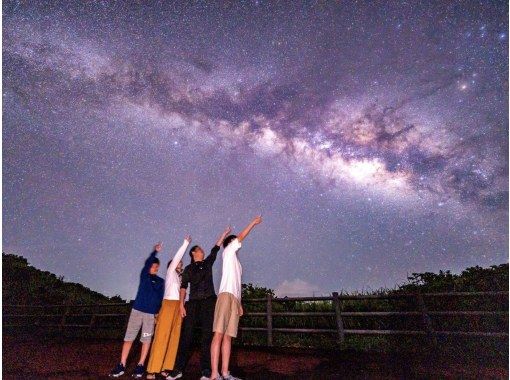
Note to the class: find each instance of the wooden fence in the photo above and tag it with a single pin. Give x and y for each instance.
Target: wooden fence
(32, 315)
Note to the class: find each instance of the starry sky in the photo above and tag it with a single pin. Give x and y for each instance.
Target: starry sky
(371, 136)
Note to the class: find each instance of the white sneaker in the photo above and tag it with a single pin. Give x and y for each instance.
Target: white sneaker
(229, 377)
(173, 375)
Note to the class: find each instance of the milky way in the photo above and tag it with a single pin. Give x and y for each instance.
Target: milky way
(373, 138)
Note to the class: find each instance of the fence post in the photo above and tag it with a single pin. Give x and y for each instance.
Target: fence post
(63, 320)
(269, 315)
(339, 322)
(92, 320)
(427, 322)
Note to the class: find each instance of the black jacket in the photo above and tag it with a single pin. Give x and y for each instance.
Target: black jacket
(199, 276)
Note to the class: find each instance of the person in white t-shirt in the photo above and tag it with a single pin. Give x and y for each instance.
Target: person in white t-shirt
(168, 328)
(228, 305)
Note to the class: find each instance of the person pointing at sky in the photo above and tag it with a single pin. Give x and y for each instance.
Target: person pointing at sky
(228, 306)
(199, 309)
(168, 328)
(147, 303)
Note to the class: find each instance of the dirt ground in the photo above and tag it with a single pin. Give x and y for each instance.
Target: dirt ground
(24, 358)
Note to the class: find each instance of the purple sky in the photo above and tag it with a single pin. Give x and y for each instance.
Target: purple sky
(372, 138)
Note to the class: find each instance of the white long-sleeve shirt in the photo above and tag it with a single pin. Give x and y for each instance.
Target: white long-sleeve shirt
(172, 279)
(231, 270)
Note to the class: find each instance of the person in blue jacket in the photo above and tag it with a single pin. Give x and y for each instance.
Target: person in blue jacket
(143, 314)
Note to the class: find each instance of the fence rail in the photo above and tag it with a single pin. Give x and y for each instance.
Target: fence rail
(70, 311)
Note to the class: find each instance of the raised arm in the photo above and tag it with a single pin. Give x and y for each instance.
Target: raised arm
(223, 235)
(214, 251)
(180, 253)
(248, 228)
(150, 259)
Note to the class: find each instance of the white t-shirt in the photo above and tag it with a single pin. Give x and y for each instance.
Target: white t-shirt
(232, 270)
(172, 279)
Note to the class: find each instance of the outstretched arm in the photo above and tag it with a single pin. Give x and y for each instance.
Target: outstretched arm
(223, 236)
(180, 253)
(248, 228)
(150, 259)
(214, 251)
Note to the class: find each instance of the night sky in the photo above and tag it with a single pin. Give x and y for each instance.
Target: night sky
(371, 136)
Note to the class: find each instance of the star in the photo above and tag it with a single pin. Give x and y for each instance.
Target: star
(364, 135)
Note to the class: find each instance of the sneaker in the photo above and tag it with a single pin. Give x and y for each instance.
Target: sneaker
(206, 375)
(118, 371)
(174, 374)
(207, 378)
(229, 377)
(139, 371)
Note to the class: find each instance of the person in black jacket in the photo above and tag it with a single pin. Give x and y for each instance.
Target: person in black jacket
(199, 309)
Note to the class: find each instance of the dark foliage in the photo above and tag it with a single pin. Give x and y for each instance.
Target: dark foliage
(25, 285)
(252, 291)
(473, 279)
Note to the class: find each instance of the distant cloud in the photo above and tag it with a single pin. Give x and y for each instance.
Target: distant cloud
(296, 288)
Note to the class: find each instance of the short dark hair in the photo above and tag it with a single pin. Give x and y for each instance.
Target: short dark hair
(228, 240)
(155, 261)
(191, 252)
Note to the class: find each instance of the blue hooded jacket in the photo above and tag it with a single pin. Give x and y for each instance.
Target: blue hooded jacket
(151, 289)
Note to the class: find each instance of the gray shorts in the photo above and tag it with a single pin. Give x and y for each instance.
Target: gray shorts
(137, 320)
